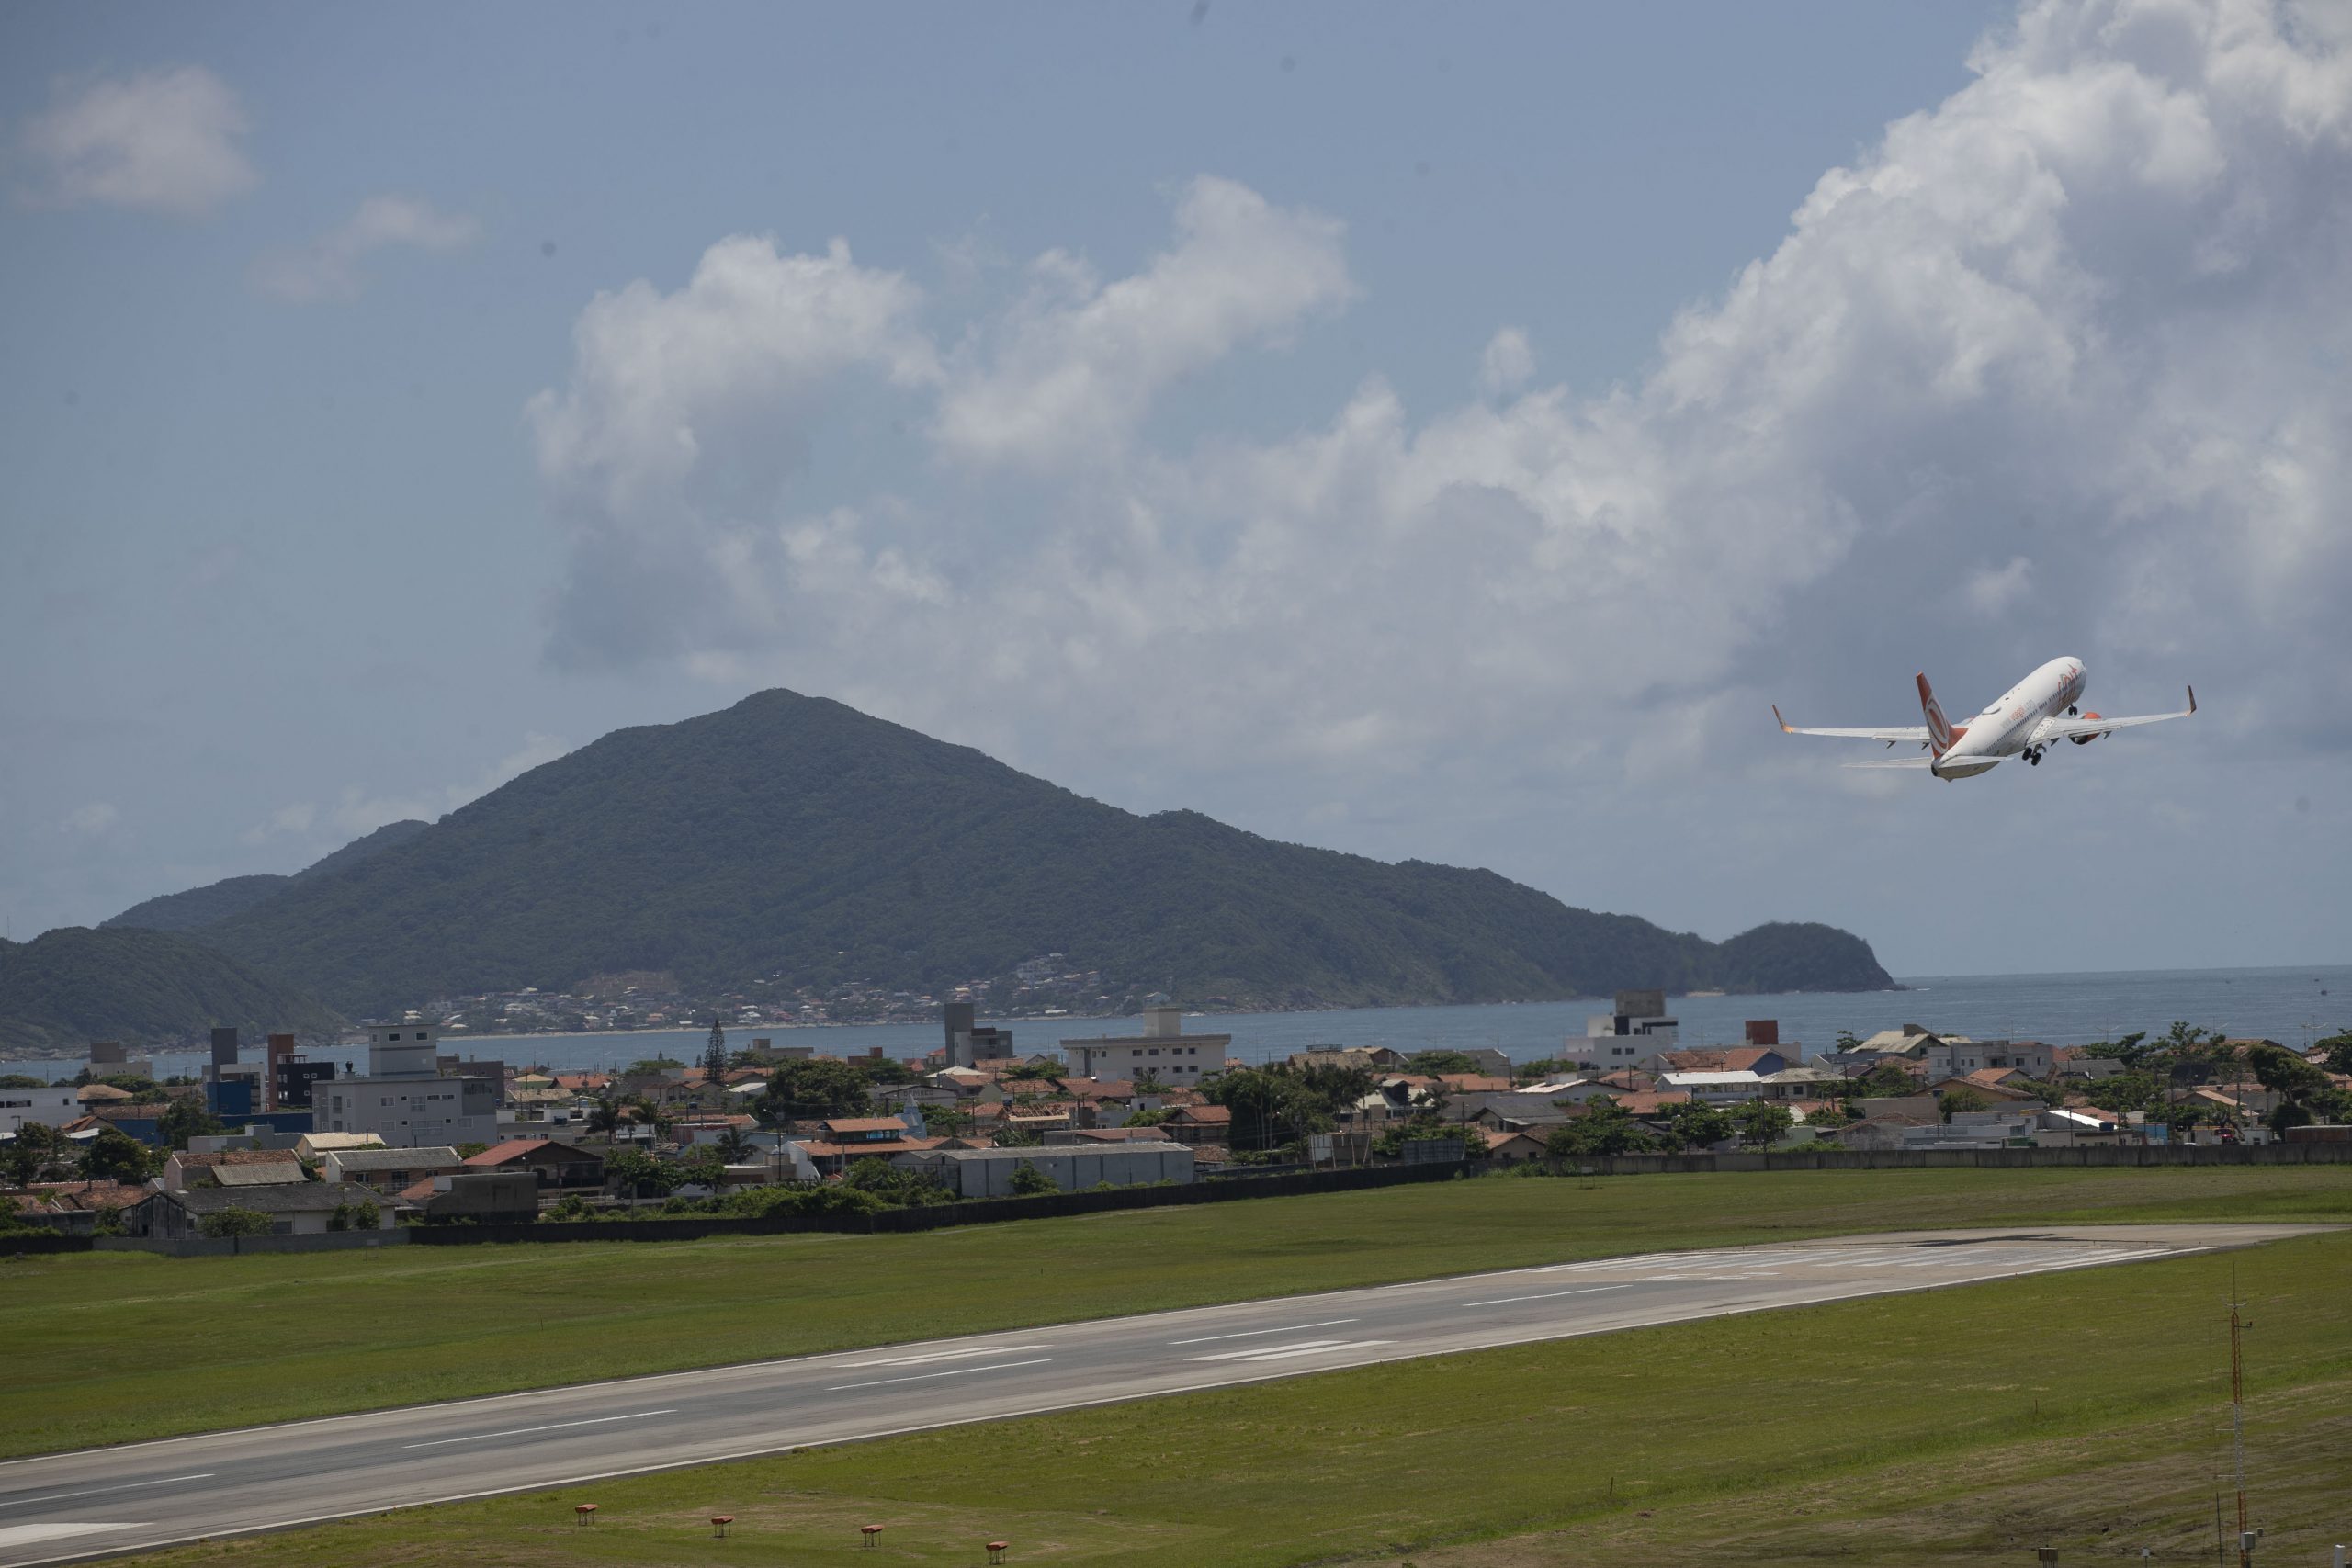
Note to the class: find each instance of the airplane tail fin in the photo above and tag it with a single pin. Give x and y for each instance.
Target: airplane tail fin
(1940, 733)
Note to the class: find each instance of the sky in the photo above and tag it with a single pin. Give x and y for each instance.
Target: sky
(1427, 433)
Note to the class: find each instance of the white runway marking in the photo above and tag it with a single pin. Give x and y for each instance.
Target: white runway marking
(948, 1356)
(951, 1372)
(1247, 1333)
(31, 1535)
(1548, 1295)
(550, 1426)
(96, 1491)
(1284, 1355)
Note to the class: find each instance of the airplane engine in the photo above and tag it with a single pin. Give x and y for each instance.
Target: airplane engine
(2084, 740)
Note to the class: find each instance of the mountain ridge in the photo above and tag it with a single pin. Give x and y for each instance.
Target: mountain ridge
(217, 901)
(144, 988)
(794, 838)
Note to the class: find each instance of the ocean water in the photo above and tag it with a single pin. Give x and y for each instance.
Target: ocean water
(2293, 1005)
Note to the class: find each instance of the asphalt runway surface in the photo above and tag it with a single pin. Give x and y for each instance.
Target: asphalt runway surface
(100, 1501)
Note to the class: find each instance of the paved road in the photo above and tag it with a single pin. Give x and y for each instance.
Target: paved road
(98, 1502)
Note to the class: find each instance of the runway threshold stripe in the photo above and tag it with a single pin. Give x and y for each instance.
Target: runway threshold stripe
(950, 1373)
(550, 1426)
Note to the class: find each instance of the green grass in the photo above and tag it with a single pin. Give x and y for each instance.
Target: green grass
(113, 1346)
(2084, 1409)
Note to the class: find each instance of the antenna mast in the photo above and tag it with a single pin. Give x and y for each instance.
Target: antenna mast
(2237, 1419)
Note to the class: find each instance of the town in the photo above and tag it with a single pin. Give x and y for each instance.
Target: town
(285, 1145)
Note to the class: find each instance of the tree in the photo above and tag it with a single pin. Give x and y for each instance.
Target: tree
(1435, 1062)
(185, 1119)
(233, 1222)
(814, 1088)
(471, 1148)
(702, 1166)
(116, 1156)
(1146, 1118)
(38, 1153)
(1962, 1101)
(1695, 1125)
(1271, 1106)
(2339, 1052)
(1149, 1082)
(636, 1174)
(1762, 1123)
(1017, 1138)
(361, 1216)
(1605, 1128)
(735, 1145)
(714, 1054)
(885, 1070)
(1028, 1181)
(605, 1116)
(1883, 1081)
(1848, 1040)
(947, 1121)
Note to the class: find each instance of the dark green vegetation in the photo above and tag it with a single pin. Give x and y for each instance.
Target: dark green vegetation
(69, 986)
(791, 836)
(1904, 1430)
(219, 900)
(85, 1333)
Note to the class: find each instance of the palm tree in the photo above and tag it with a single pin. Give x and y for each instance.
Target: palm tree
(734, 1145)
(606, 1116)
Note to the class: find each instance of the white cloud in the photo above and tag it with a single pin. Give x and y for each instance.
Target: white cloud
(1507, 365)
(1989, 590)
(162, 141)
(359, 811)
(296, 820)
(2085, 314)
(1070, 371)
(329, 266)
(91, 819)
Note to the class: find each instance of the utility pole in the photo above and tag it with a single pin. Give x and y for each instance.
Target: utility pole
(2237, 1421)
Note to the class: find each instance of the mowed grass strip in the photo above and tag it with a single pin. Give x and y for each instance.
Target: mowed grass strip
(2086, 1408)
(114, 1347)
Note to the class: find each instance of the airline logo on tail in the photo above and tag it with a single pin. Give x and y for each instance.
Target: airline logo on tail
(1940, 733)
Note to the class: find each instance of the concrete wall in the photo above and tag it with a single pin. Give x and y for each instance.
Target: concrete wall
(2005, 1159)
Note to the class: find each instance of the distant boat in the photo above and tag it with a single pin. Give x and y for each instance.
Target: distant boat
(1692, 995)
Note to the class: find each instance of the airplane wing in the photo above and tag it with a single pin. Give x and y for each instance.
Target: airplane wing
(2051, 729)
(1892, 734)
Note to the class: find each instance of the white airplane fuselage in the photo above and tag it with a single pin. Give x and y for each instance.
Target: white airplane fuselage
(2005, 725)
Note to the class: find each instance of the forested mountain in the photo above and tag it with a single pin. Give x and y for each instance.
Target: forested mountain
(219, 900)
(793, 837)
(69, 986)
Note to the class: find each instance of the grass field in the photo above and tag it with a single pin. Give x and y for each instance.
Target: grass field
(2084, 1410)
(112, 1346)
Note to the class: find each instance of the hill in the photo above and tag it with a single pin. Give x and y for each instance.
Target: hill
(219, 900)
(792, 837)
(69, 986)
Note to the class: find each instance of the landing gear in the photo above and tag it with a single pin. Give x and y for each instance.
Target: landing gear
(2033, 756)
(2072, 711)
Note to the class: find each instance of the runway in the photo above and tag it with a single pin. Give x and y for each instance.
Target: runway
(100, 1501)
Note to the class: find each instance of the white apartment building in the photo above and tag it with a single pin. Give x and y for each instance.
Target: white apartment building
(404, 1099)
(1632, 1036)
(1178, 1059)
(51, 1106)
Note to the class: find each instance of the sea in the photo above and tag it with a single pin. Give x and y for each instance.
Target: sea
(2293, 1005)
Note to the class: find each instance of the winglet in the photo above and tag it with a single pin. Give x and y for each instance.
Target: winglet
(1785, 729)
(2192, 699)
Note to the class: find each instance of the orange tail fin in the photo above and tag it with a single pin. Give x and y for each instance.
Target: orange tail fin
(1941, 731)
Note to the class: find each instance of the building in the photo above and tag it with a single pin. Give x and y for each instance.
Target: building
(51, 1106)
(1631, 1036)
(230, 1167)
(296, 1208)
(557, 1168)
(1950, 1057)
(968, 1043)
(1162, 1051)
(390, 1170)
(988, 1173)
(404, 1099)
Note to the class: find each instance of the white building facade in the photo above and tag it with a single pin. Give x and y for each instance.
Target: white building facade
(1163, 1049)
(1632, 1036)
(404, 1099)
(49, 1107)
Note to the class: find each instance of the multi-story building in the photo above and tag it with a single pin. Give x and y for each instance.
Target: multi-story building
(1633, 1036)
(1163, 1049)
(404, 1099)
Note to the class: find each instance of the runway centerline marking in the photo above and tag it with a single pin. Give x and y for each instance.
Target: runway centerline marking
(550, 1426)
(950, 1373)
(1548, 1295)
(96, 1491)
(1287, 1328)
(945, 1356)
(1256, 1351)
(1282, 1353)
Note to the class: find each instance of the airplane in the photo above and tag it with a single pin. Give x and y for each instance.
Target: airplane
(2023, 721)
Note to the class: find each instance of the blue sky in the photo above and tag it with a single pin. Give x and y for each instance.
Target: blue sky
(1424, 433)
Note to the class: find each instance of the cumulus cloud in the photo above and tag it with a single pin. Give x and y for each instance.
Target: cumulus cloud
(683, 416)
(1507, 365)
(164, 141)
(1070, 372)
(295, 819)
(329, 266)
(359, 811)
(91, 819)
(2083, 317)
